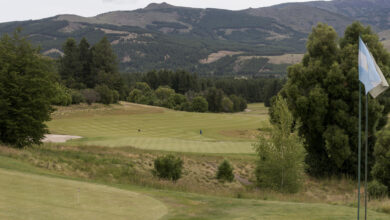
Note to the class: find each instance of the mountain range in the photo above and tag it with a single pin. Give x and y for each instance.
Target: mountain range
(255, 41)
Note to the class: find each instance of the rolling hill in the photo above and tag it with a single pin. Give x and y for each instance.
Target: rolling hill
(207, 41)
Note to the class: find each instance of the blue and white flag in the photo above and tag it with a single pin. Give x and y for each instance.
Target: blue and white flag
(369, 73)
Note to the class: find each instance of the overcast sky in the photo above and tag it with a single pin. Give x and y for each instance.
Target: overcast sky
(17, 10)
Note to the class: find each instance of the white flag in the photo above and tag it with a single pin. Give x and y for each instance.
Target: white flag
(369, 73)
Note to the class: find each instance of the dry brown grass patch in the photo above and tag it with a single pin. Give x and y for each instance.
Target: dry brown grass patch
(84, 110)
(245, 134)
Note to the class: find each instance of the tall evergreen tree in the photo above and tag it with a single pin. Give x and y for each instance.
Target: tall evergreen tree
(70, 65)
(104, 65)
(214, 98)
(85, 61)
(322, 92)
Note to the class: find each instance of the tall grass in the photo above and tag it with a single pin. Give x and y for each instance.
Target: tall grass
(134, 166)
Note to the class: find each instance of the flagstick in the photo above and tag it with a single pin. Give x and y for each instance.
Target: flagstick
(365, 163)
(359, 146)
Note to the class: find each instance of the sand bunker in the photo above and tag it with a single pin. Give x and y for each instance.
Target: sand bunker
(57, 138)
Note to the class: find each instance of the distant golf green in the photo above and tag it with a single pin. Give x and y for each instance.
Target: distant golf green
(29, 196)
(155, 128)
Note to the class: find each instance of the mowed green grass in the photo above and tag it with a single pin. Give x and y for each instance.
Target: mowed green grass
(29, 196)
(154, 128)
(27, 192)
(214, 208)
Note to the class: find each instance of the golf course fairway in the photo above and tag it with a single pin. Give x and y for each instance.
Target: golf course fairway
(30, 196)
(155, 128)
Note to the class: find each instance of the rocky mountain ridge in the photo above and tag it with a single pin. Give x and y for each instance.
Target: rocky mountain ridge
(207, 41)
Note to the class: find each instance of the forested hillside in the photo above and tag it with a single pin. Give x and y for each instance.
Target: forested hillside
(211, 42)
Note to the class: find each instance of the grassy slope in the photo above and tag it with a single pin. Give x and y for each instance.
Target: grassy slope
(109, 166)
(39, 194)
(161, 129)
(30, 196)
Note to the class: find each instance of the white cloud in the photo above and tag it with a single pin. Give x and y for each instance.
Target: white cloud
(120, 2)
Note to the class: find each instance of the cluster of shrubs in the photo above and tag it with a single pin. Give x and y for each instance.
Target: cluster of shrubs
(170, 167)
(212, 100)
(101, 93)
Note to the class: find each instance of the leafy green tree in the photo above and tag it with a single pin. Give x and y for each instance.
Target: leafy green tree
(178, 100)
(165, 96)
(239, 103)
(143, 87)
(227, 104)
(381, 169)
(225, 171)
(163, 93)
(243, 104)
(26, 91)
(135, 96)
(105, 93)
(281, 156)
(199, 104)
(115, 96)
(77, 97)
(187, 106)
(322, 93)
(62, 96)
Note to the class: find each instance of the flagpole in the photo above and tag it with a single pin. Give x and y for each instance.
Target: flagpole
(374, 83)
(366, 161)
(359, 146)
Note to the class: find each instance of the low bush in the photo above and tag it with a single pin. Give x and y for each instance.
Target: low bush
(168, 167)
(116, 96)
(376, 190)
(62, 95)
(77, 97)
(225, 171)
(381, 168)
(106, 95)
(90, 96)
(227, 104)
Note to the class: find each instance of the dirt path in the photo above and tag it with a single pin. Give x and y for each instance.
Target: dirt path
(57, 138)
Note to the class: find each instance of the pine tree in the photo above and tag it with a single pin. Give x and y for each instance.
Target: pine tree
(70, 66)
(85, 60)
(104, 65)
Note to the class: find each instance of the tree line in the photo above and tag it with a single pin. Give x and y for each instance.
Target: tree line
(221, 94)
(90, 74)
(189, 84)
